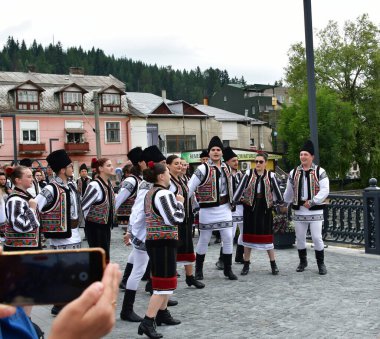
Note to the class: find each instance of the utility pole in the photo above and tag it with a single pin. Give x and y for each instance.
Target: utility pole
(97, 128)
(313, 120)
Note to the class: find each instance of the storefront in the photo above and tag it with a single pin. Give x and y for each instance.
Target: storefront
(246, 158)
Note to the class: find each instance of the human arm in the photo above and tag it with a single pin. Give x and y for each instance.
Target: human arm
(21, 216)
(196, 179)
(169, 207)
(92, 194)
(92, 315)
(241, 187)
(126, 190)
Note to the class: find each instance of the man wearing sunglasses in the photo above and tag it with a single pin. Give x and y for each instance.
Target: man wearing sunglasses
(307, 189)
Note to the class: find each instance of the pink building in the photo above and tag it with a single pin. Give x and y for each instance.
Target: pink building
(46, 112)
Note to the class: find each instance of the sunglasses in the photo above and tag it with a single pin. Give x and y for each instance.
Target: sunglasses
(259, 161)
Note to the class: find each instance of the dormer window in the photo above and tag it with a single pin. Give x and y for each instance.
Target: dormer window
(111, 102)
(71, 97)
(72, 101)
(28, 100)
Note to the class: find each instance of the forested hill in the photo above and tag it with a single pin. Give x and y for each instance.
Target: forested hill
(189, 85)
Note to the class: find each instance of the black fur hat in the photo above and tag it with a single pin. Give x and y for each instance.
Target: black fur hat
(83, 167)
(58, 159)
(308, 147)
(135, 155)
(215, 142)
(228, 153)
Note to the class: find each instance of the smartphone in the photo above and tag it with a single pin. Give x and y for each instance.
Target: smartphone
(48, 276)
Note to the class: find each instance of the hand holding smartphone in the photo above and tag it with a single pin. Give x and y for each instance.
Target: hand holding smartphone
(48, 277)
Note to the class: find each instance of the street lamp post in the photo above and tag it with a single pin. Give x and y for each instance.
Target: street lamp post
(97, 128)
(313, 121)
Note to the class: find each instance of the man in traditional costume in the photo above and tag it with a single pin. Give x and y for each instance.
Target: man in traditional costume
(307, 189)
(212, 180)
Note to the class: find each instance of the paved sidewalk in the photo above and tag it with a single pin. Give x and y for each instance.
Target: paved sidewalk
(343, 304)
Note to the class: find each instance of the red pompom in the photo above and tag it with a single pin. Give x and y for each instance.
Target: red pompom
(151, 164)
(94, 162)
(9, 170)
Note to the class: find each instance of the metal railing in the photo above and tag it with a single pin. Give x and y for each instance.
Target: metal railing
(343, 219)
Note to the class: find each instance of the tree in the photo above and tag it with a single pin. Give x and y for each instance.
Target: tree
(345, 62)
(336, 127)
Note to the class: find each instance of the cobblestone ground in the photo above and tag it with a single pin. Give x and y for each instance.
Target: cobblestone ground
(343, 304)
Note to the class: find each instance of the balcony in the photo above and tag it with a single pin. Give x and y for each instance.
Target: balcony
(31, 149)
(77, 148)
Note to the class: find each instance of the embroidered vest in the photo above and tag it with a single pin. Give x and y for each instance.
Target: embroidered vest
(125, 208)
(17, 239)
(182, 189)
(235, 182)
(156, 229)
(80, 185)
(313, 186)
(249, 192)
(208, 192)
(103, 212)
(55, 218)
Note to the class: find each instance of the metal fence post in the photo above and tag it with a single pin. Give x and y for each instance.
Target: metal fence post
(371, 200)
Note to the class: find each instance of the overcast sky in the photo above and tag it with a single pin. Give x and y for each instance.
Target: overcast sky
(245, 37)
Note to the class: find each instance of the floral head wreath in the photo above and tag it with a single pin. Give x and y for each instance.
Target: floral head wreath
(151, 164)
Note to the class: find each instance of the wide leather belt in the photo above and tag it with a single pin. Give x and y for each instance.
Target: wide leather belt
(223, 200)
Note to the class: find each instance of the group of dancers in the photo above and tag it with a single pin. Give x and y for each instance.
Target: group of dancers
(158, 202)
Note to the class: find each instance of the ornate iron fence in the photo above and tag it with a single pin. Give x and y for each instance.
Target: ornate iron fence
(343, 219)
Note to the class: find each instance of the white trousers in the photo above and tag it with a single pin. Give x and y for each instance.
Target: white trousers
(316, 234)
(140, 262)
(205, 236)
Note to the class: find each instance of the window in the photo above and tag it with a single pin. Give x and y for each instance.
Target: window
(152, 134)
(253, 110)
(74, 131)
(1, 132)
(113, 131)
(225, 98)
(29, 132)
(226, 143)
(72, 101)
(179, 143)
(111, 102)
(27, 99)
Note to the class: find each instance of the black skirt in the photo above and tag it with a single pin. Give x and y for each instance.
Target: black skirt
(258, 223)
(99, 235)
(162, 255)
(185, 251)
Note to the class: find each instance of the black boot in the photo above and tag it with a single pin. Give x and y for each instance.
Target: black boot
(200, 258)
(303, 260)
(148, 287)
(146, 275)
(274, 267)
(220, 264)
(164, 317)
(191, 281)
(172, 303)
(320, 256)
(245, 269)
(227, 258)
(127, 312)
(148, 327)
(239, 254)
(127, 273)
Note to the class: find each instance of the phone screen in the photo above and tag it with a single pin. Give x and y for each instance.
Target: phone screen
(56, 277)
